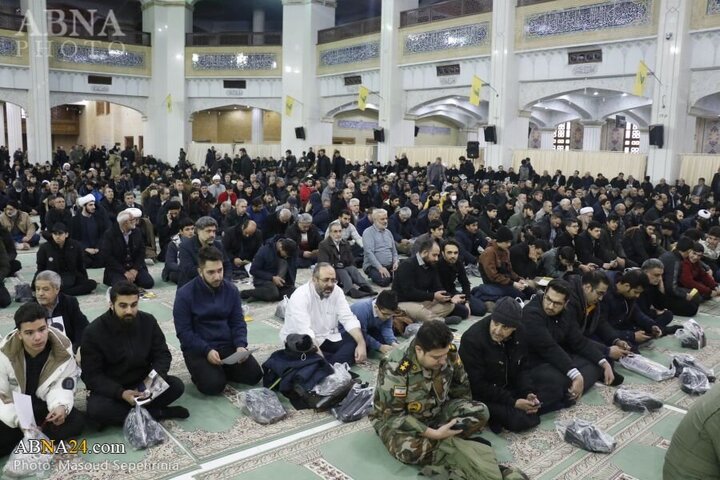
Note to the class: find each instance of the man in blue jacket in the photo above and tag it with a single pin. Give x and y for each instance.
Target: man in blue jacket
(205, 235)
(273, 270)
(375, 316)
(210, 325)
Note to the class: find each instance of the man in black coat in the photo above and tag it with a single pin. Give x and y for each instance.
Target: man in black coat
(566, 363)
(494, 353)
(338, 253)
(88, 228)
(64, 255)
(338, 164)
(417, 284)
(307, 237)
(246, 164)
(123, 248)
(241, 243)
(63, 311)
(451, 270)
(324, 166)
(273, 270)
(168, 226)
(120, 349)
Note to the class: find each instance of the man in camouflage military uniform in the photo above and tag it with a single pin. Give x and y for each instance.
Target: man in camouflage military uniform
(422, 393)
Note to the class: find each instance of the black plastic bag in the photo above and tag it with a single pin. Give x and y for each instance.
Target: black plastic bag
(356, 404)
(585, 435)
(693, 381)
(636, 401)
(683, 360)
(263, 406)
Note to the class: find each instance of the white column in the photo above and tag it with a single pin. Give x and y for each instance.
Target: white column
(504, 111)
(38, 114)
(591, 136)
(168, 21)
(3, 142)
(670, 101)
(644, 140)
(299, 67)
(14, 127)
(258, 25)
(188, 131)
(398, 131)
(547, 138)
(258, 134)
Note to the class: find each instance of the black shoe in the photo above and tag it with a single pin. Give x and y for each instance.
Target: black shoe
(619, 379)
(671, 329)
(355, 293)
(367, 289)
(173, 412)
(452, 320)
(245, 294)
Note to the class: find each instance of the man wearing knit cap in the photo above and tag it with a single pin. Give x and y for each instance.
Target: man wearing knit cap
(88, 228)
(494, 352)
(124, 250)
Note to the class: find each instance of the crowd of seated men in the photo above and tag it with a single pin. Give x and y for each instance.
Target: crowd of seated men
(624, 257)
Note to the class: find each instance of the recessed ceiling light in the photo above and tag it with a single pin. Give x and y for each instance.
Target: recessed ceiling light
(595, 93)
(624, 94)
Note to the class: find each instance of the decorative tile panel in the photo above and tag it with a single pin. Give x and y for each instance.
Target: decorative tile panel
(234, 61)
(71, 52)
(600, 16)
(353, 54)
(8, 47)
(713, 7)
(448, 38)
(356, 125)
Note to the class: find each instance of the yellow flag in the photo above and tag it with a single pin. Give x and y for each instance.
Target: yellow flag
(363, 93)
(289, 103)
(168, 103)
(641, 79)
(475, 88)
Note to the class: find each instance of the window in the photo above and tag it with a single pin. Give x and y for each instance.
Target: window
(561, 140)
(631, 141)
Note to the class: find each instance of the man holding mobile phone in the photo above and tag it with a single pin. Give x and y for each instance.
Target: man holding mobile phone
(417, 284)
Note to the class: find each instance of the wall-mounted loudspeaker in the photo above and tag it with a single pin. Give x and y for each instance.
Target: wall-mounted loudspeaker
(490, 134)
(379, 135)
(300, 133)
(417, 130)
(473, 149)
(657, 135)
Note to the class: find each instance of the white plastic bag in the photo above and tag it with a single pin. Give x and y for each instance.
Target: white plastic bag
(335, 382)
(691, 335)
(263, 406)
(647, 368)
(693, 381)
(585, 435)
(281, 307)
(141, 430)
(22, 463)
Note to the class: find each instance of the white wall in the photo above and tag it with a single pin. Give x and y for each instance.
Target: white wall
(110, 128)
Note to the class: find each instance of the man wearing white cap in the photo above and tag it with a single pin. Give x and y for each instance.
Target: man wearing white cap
(586, 215)
(88, 228)
(124, 250)
(217, 187)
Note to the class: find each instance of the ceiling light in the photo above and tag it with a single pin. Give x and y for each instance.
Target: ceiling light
(595, 93)
(624, 94)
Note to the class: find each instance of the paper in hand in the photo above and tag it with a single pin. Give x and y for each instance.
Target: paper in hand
(24, 410)
(152, 387)
(238, 357)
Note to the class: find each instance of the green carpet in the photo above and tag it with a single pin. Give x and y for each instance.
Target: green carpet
(219, 442)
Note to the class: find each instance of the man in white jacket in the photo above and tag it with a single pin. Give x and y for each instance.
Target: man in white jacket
(318, 308)
(37, 360)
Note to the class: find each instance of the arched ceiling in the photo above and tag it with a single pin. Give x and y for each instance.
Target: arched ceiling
(590, 105)
(455, 108)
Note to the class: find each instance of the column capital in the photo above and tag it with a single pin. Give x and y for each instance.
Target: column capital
(324, 3)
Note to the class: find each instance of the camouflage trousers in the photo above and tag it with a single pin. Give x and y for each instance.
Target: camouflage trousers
(417, 450)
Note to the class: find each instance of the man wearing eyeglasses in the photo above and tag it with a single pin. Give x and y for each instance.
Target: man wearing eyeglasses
(317, 309)
(567, 362)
